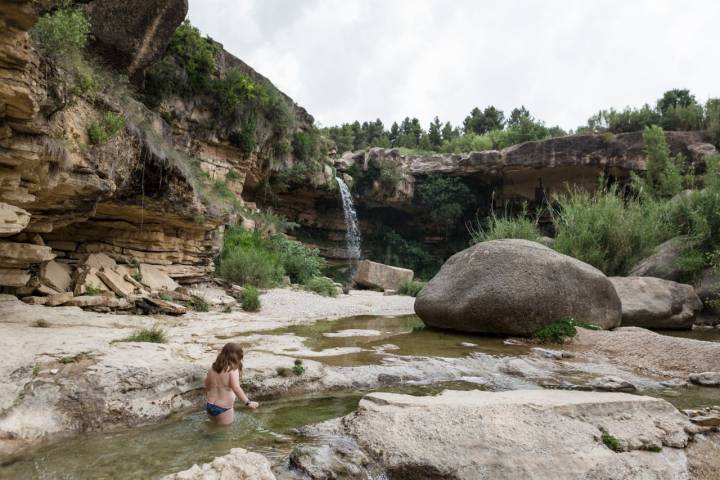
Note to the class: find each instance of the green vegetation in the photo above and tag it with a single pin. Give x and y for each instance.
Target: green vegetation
(41, 323)
(63, 33)
(662, 178)
(610, 442)
(198, 303)
(608, 232)
(110, 125)
(558, 331)
(677, 109)
(411, 288)
(250, 299)
(298, 368)
(391, 248)
(446, 198)
(62, 37)
(249, 258)
(155, 334)
(322, 286)
(482, 130)
(92, 291)
(498, 228)
(166, 297)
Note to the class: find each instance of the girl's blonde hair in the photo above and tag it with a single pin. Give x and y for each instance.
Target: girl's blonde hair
(229, 358)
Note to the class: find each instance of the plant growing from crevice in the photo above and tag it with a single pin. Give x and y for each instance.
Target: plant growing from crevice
(110, 125)
(250, 299)
(610, 441)
(561, 330)
(198, 303)
(154, 334)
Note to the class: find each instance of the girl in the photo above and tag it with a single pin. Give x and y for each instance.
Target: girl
(222, 384)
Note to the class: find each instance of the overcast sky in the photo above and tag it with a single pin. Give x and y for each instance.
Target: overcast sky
(347, 60)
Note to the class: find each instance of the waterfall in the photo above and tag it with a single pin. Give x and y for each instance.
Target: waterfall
(352, 229)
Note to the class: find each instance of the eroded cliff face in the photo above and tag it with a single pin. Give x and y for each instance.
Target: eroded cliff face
(148, 195)
(530, 173)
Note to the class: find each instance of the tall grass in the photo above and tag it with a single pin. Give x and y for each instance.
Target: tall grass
(607, 231)
(506, 227)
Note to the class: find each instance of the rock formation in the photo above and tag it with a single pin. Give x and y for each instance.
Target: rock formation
(376, 275)
(239, 464)
(139, 197)
(655, 303)
(515, 287)
(533, 434)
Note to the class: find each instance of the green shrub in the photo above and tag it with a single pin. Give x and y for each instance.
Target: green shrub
(558, 331)
(253, 266)
(232, 176)
(110, 125)
(391, 248)
(498, 228)
(236, 89)
(222, 190)
(608, 232)
(390, 175)
(662, 177)
(301, 263)
(446, 198)
(250, 299)
(166, 297)
(150, 335)
(298, 368)
(198, 303)
(63, 33)
(92, 291)
(611, 442)
(411, 288)
(322, 286)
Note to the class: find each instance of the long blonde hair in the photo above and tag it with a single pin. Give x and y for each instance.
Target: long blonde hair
(229, 358)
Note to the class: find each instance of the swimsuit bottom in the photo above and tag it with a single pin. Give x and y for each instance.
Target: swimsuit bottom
(214, 410)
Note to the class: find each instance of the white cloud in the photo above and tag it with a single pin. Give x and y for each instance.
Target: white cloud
(347, 60)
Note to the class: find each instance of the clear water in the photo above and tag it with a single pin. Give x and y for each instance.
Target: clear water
(705, 334)
(407, 333)
(352, 228)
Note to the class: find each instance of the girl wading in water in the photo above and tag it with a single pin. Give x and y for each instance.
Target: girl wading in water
(222, 385)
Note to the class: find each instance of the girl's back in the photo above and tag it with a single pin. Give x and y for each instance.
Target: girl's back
(218, 388)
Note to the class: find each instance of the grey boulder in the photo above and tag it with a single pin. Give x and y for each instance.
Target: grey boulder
(656, 303)
(515, 287)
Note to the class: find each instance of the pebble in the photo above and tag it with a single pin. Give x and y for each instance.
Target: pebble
(554, 354)
(54, 371)
(468, 344)
(612, 384)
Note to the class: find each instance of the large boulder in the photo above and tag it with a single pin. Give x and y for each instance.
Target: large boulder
(515, 287)
(132, 34)
(239, 464)
(520, 434)
(377, 275)
(663, 261)
(656, 303)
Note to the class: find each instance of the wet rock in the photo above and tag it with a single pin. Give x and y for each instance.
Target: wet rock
(239, 464)
(656, 303)
(612, 384)
(706, 420)
(706, 379)
(515, 287)
(554, 354)
(339, 458)
(377, 275)
(663, 262)
(499, 435)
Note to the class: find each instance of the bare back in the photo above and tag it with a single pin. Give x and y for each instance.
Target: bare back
(218, 388)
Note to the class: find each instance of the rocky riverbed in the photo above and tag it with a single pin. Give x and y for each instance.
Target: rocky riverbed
(66, 371)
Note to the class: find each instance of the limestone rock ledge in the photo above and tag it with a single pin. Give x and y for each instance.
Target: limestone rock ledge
(63, 198)
(532, 434)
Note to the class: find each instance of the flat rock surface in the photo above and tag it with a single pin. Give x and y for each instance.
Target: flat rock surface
(528, 434)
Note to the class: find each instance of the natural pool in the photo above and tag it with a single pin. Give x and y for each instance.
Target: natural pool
(407, 335)
(175, 445)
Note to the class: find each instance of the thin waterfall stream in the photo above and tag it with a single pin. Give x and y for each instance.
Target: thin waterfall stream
(353, 239)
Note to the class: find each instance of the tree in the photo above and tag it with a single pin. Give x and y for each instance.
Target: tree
(675, 98)
(394, 134)
(449, 133)
(434, 133)
(518, 115)
(662, 176)
(712, 118)
(484, 121)
(446, 198)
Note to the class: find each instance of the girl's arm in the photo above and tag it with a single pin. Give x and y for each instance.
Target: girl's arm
(235, 386)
